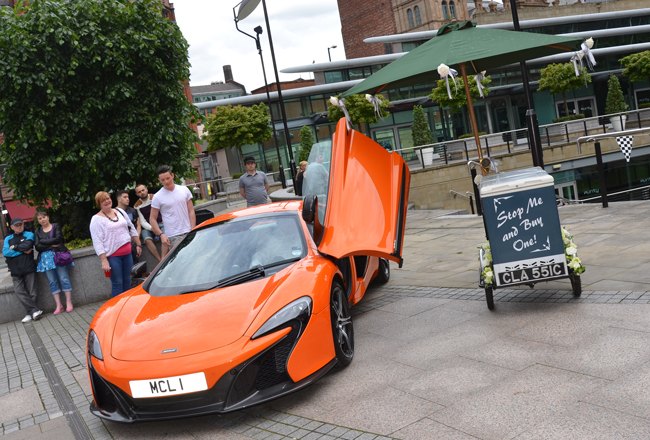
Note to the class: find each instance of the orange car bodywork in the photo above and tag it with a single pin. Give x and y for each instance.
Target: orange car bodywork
(367, 198)
(211, 331)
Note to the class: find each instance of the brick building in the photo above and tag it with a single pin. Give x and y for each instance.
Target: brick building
(361, 19)
(365, 18)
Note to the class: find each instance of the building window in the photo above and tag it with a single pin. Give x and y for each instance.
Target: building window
(409, 16)
(334, 76)
(452, 9)
(418, 18)
(445, 11)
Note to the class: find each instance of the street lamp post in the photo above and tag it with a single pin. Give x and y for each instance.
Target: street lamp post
(246, 7)
(258, 31)
(328, 52)
(3, 210)
(531, 116)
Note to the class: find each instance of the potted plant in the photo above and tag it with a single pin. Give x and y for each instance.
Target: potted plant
(422, 135)
(615, 103)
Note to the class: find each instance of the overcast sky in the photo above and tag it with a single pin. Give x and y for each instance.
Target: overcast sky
(301, 31)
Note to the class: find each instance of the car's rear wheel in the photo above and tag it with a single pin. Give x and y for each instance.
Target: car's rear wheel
(384, 271)
(342, 329)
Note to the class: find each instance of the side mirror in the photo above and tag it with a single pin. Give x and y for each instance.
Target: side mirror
(310, 216)
(139, 269)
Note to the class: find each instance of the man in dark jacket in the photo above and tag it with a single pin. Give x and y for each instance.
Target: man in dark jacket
(18, 250)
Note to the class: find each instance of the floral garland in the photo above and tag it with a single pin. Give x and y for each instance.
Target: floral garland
(570, 251)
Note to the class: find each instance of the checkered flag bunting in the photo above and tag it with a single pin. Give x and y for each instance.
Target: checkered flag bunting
(625, 144)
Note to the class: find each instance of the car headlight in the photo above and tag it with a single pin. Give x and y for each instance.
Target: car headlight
(298, 310)
(93, 346)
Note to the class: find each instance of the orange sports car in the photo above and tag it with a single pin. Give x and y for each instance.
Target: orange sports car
(254, 304)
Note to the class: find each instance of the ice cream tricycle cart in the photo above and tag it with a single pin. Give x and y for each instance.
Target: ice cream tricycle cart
(522, 224)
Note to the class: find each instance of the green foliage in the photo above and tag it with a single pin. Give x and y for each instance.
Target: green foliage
(637, 66)
(78, 243)
(359, 108)
(306, 142)
(561, 78)
(615, 102)
(91, 97)
(236, 175)
(459, 99)
(420, 129)
(236, 126)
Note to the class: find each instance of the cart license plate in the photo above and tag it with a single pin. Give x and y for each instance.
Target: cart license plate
(531, 274)
(168, 386)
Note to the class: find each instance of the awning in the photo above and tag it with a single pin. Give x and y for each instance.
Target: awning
(19, 210)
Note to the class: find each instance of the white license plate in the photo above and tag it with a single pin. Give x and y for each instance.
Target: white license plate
(168, 386)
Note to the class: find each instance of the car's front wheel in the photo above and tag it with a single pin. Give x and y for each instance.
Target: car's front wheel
(342, 329)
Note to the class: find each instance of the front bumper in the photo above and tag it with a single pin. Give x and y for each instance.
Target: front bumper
(259, 379)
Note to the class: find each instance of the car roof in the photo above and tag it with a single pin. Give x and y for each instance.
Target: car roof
(278, 207)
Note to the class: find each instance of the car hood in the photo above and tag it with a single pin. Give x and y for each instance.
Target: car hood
(155, 328)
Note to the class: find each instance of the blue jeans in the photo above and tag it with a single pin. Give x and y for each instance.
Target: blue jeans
(120, 273)
(59, 279)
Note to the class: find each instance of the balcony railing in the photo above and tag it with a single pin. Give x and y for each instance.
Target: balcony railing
(504, 143)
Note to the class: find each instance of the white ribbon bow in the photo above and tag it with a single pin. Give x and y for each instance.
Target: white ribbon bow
(584, 53)
(340, 103)
(445, 72)
(479, 77)
(376, 105)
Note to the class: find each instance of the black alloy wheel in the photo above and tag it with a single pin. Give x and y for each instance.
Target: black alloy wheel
(342, 329)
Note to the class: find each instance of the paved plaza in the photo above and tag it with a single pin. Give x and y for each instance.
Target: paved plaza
(431, 361)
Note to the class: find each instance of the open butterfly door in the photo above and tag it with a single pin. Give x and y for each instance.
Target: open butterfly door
(365, 212)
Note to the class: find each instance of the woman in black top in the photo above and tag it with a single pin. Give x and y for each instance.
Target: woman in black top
(49, 238)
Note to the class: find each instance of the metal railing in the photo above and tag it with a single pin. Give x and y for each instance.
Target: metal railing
(499, 144)
(225, 188)
(467, 195)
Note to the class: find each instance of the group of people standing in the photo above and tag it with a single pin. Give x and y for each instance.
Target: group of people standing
(18, 250)
(115, 232)
(167, 216)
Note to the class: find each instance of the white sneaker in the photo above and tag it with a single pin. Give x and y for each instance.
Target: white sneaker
(37, 315)
(27, 318)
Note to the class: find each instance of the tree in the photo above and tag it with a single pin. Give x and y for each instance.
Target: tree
(91, 97)
(561, 78)
(236, 126)
(458, 100)
(359, 108)
(615, 102)
(421, 132)
(306, 142)
(637, 66)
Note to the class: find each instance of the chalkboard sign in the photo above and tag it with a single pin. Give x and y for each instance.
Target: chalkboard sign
(523, 228)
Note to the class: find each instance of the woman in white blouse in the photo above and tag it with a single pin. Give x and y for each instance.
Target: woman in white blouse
(112, 233)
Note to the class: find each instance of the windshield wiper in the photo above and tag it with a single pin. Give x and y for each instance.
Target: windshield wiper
(250, 274)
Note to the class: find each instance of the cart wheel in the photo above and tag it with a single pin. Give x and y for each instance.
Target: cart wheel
(576, 284)
(489, 298)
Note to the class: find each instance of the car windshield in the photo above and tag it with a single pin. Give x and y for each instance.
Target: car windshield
(228, 253)
(317, 174)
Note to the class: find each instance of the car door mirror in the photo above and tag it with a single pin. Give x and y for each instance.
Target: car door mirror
(310, 216)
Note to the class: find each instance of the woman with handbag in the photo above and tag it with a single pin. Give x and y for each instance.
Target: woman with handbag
(112, 233)
(49, 242)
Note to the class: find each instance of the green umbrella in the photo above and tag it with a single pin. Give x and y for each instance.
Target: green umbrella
(469, 48)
